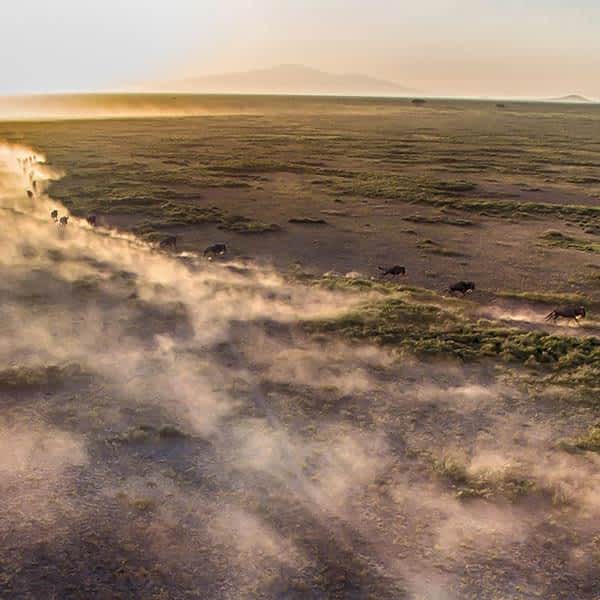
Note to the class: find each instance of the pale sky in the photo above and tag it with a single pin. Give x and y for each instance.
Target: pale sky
(455, 47)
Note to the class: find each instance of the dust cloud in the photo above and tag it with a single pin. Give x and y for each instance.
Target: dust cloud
(166, 426)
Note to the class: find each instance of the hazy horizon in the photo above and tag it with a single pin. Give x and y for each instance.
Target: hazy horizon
(438, 47)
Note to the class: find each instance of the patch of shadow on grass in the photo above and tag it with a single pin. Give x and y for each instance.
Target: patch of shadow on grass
(307, 221)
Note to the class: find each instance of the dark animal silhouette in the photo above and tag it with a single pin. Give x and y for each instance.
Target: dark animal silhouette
(216, 249)
(54, 215)
(168, 242)
(419, 101)
(500, 105)
(64, 220)
(566, 312)
(462, 286)
(34, 184)
(91, 220)
(30, 194)
(393, 271)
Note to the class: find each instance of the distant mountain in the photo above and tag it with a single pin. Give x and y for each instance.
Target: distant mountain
(287, 79)
(571, 98)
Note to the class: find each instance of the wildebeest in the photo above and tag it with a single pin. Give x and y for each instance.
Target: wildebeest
(462, 286)
(64, 220)
(91, 220)
(216, 249)
(29, 194)
(34, 184)
(54, 215)
(566, 312)
(168, 242)
(393, 271)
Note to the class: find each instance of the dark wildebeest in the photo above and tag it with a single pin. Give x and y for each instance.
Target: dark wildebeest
(169, 242)
(393, 271)
(34, 184)
(30, 194)
(54, 215)
(216, 249)
(566, 312)
(462, 286)
(91, 220)
(64, 220)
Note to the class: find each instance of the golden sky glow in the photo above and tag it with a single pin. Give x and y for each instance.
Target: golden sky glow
(532, 48)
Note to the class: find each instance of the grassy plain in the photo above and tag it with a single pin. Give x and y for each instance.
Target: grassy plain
(177, 428)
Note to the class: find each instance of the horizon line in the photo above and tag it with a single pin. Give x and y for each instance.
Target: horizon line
(428, 96)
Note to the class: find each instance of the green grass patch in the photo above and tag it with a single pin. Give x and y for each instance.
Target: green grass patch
(172, 215)
(454, 187)
(241, 224)
(439, 220)
(351, 284)
(556, 239)
(427, 329)
(486, 483)
(142, 434)
(589, 442)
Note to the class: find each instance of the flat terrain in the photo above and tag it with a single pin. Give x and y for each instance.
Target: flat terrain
(263, 426)
(450, 190)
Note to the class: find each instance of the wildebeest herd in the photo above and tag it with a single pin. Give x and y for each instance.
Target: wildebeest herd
(462, 287)
(570, 312)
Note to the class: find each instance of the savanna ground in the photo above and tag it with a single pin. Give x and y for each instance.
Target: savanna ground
(263, 426)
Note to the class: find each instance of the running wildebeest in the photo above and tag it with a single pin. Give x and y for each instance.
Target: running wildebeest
(64, 220)
(462, 286)
(30, 194)
(91, 220)
(566, 312)
(216, 249)
(54, 215)
(393, 271)
(169, 242)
